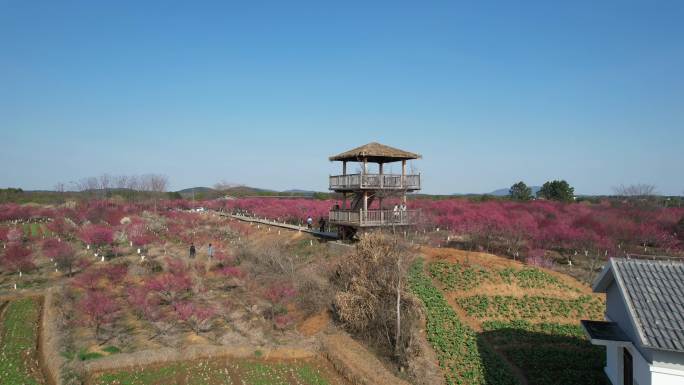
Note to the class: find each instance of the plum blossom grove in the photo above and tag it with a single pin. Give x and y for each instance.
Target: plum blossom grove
(524, 229)
(515, 228)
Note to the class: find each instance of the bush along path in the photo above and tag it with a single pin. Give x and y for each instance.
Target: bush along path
(18, 342)
(463, 357)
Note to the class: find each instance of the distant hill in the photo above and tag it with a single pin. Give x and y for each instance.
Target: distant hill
(504, 191)
(195, 190)
(300, 192)
(240, 191)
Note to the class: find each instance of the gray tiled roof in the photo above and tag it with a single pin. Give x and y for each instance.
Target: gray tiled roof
(655, 291)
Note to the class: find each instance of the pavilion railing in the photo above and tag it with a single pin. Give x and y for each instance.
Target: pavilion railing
(374, 217)
(375, 181)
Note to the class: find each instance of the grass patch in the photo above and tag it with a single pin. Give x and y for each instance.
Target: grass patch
(219, 372)
(32, 230)
(84, 355)
(112, 349)
(311, 376)
(18, 360)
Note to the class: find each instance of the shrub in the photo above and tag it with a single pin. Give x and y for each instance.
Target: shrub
(371, 283)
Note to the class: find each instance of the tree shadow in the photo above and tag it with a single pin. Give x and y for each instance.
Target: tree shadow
(557, 355)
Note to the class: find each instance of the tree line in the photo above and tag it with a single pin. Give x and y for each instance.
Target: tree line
(560, 190)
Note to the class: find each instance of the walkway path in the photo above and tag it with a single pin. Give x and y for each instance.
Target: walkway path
(321, 234)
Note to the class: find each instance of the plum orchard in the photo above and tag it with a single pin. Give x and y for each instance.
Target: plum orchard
(515, 228)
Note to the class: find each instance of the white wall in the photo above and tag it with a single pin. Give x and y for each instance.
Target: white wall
(642, 369)
(614, 365)
(666, 376)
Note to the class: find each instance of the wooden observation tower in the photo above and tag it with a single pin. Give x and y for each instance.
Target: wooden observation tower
(359, 190)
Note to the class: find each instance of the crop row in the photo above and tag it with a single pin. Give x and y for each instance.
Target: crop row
(18, 341)
(530, 277)
(462, 356)
(531, 307)
(457, 276)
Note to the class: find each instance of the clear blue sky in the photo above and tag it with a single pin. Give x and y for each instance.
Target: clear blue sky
(261, 93)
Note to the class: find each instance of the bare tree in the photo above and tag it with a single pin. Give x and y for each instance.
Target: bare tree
(145, 182)
(639, 190)
(60, 187)
(88, 184)
(121, 181)
(133, 183)
(105, 183)
(158, 183)
(155, 183)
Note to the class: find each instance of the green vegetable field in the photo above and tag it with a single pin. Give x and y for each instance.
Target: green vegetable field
(18, 341)
(215, 372)
(524, 322)
(460, 356)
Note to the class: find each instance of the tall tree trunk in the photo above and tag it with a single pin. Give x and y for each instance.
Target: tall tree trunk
(398, 332)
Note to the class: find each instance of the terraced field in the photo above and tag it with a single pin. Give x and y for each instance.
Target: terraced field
(494, 321)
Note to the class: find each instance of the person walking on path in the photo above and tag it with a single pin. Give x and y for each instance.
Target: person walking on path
(309, 222)
(321, 224)
(210, 251)
(192, 250)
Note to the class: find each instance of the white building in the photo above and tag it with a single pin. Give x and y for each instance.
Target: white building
(644, 328)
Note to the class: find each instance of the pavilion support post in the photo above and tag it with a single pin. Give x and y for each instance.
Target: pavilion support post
(381, 177)
(344, 167)
(403, 173)
(403, 181)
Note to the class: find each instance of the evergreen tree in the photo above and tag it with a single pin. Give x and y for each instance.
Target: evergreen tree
(520, 192)
(557, 190)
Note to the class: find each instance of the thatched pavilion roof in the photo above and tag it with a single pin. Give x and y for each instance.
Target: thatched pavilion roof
(376, 153)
